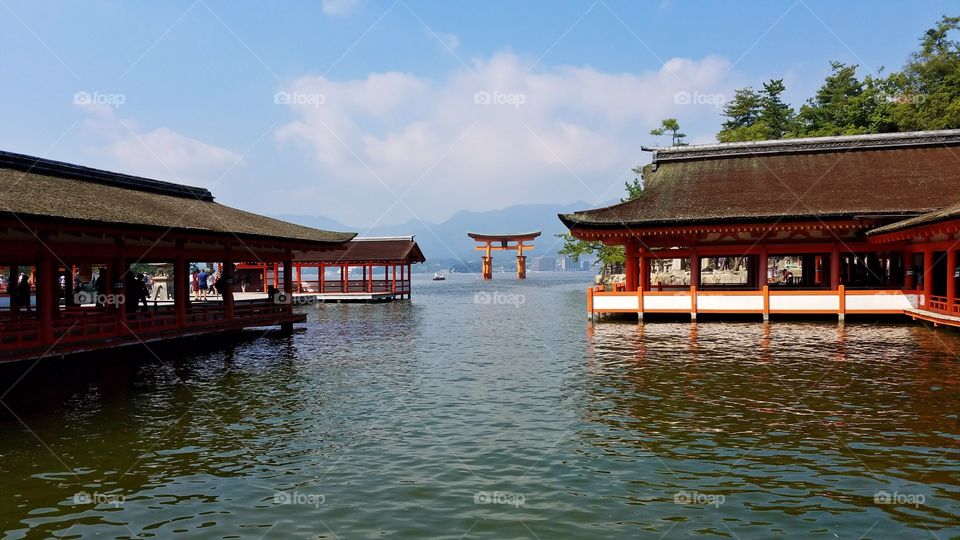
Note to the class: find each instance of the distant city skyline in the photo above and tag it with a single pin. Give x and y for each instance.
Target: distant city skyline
(382, 112)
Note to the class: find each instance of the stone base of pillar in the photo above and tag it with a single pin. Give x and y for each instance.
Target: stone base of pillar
(487, 267)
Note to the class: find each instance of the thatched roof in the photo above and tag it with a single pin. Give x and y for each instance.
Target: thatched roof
(896, 175)
(369, 249)
(35, 188)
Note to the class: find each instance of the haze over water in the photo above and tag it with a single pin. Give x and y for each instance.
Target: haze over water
(494, 410)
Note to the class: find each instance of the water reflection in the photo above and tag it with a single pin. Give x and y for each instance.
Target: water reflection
(795, 418)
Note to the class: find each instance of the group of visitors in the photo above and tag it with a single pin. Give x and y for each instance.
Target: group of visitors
(136, 289)
(19, 288)
(204, 282)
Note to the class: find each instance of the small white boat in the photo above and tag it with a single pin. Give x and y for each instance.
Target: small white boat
(439, 276)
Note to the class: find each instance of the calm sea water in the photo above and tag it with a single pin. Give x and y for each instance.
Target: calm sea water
(495, 410)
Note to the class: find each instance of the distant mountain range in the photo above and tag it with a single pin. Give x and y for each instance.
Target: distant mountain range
(446, 244)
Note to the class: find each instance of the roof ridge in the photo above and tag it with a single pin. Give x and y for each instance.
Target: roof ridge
(804, 144)
(406, 237)
(60, 169)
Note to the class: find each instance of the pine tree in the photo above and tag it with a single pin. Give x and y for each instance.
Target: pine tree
(837, 108)
(670, 125)
(776, 116)
(927, 91)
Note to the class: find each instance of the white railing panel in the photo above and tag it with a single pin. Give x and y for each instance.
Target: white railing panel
(804, 302)
(735, 303)
(676, 302)
(878, 302)
(615, 303)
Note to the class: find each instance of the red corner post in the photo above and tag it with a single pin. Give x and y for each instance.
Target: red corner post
(909, 272)
(951, 279)
(227, 271)
(835, 269)
(181, 284)
(632, 265)
(927, 276)
(763, 268)
(45, 296)
(695, 269)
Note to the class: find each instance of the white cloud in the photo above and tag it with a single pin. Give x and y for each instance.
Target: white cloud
(495, 134)
(449, 41)
(119, 144)
(339, 7)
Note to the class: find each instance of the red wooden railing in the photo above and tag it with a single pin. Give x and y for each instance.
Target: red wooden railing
(75, 325)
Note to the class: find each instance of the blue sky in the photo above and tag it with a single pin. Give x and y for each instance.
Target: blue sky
(377, 112)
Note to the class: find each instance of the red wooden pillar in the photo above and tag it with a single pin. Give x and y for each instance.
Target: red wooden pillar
(287, 327)
(181, 287)
(631, 265)
(951, 278)
(276, 276)
(644, 284)
(344, 284)
(118, 275)
(695, 270)
(226, 273)
(393, 286)
(835, 269)
(46, 272)
(322, 269)
(409, 287)
(927, 276)
(368, 272)
(263, 269)
(12, 288)
(402, 282)
(909, 272)
(288, 274)
(299, 282)
(763, 268)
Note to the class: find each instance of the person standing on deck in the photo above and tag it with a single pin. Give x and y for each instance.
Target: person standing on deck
(202, 283)
(194, 284)
(142, 293)
(23, 291)
(101, 287)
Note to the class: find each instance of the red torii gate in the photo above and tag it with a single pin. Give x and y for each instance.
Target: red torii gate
(487, 242)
